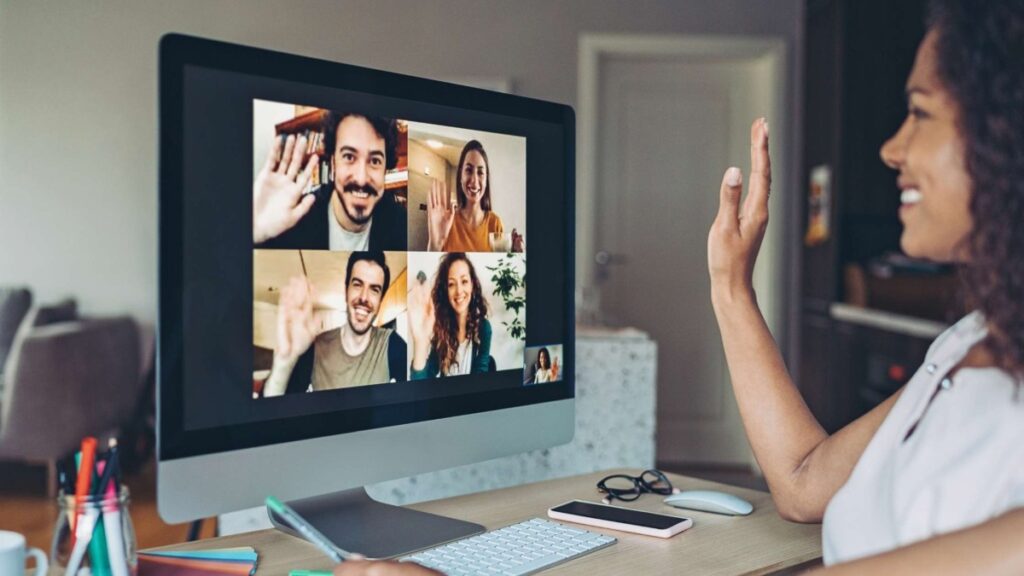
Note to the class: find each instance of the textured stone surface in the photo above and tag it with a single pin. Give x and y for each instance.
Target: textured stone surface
(615, 391)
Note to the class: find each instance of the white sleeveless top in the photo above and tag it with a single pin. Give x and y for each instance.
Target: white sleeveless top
(962, 465)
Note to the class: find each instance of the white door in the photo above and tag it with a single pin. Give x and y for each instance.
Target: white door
(667, 127)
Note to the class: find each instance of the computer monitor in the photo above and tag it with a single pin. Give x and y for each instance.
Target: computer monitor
(343, 257)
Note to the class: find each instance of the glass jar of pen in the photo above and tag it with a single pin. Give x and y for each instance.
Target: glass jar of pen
(94, 535)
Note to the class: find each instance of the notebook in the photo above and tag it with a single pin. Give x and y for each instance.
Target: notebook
(222, 562)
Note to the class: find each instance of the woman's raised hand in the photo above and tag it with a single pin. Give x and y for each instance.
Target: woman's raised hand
(517, 242)
(440, 216)
(736, 234)
(421, 322)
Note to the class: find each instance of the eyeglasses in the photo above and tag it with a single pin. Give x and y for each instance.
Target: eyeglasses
(628, 488)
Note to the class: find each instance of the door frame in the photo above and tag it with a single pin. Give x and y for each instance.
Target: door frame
(594, 48)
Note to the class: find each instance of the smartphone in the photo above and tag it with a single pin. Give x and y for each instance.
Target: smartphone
(623, 519)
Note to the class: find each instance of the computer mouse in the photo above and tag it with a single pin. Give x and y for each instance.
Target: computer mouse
(710, 501)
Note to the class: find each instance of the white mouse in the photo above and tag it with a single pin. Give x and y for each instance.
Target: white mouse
(710, 501)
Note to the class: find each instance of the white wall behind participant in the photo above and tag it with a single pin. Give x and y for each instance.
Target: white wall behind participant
(266, 115)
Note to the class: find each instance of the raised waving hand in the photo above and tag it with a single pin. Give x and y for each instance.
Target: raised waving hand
(277, 200)
(736, 234)
(440, 216)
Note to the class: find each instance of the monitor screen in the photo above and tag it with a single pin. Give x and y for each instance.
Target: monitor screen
(344, 249)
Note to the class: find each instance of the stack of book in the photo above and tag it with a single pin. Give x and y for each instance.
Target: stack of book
(225, 561)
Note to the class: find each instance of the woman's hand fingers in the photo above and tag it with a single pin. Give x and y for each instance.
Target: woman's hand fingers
(435, 193)
(729, 200)
(755, 208)
(736, 235)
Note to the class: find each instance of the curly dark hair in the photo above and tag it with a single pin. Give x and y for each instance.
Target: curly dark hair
(980, 55)
(446, 323)
(386, 128)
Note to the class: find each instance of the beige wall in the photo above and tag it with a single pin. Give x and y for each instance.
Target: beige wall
(78, 101)
(422, 158)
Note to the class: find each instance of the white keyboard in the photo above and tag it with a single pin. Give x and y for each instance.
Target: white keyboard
(515, 550)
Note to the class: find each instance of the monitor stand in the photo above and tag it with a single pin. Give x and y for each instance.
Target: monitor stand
(355, 522)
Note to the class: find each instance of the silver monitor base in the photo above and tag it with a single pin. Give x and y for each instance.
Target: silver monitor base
(355, 522)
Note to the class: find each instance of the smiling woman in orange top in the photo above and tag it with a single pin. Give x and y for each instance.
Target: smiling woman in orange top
(466, 226)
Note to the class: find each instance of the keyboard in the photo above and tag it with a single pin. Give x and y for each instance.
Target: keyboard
(515, 550)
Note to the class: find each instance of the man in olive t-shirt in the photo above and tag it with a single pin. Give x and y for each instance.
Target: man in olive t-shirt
(334, 367)
(354, 354)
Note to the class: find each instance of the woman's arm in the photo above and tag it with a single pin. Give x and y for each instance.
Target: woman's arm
(804, 467)
(429, 369)
(993, 548)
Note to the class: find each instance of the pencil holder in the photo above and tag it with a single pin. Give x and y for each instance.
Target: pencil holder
(108, 549)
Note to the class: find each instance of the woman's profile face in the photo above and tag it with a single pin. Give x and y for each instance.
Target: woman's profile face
(928, 153)
(543, 360)
(474, 177)
(460, 286)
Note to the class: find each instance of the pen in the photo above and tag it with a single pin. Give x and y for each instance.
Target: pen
(112, 514)
(310, 573)
(83, 535)
(65, 475)
(111, 469)
(99, 560)
(84, 479)
(306, 530)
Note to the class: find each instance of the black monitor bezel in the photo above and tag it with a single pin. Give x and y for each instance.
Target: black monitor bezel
(178, 51)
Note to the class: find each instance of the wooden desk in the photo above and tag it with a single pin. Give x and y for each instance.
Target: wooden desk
(761, 543)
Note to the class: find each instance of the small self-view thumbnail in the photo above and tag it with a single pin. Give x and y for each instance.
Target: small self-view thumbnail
(543, 364)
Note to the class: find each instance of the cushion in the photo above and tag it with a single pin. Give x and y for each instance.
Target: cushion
(14, 304)
(64, 311)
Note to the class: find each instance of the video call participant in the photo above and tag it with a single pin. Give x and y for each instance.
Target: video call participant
(448, 322)
(544, 372)
(354, 354)
(354, 212)
(465, 226)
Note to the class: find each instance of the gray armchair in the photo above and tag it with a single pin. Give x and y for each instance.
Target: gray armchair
(65, 380)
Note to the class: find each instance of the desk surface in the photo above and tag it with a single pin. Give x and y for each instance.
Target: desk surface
(760, 543)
